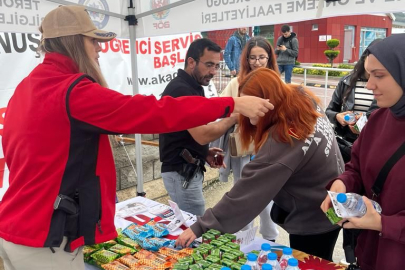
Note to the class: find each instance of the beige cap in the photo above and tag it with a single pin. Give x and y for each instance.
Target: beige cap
(72, 20)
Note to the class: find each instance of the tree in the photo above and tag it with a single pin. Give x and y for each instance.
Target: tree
(331, 54)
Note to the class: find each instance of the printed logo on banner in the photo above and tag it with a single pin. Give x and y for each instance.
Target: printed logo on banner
(161, 14)
(99, 20)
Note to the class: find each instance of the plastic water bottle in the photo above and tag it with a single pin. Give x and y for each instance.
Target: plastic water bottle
(266, 266)
(252, 261)
(272, 260)
(287, 254)
(354, 204)
(292, 264)
(225, 268)
(350, 118)
(246, 267)
(266, 249)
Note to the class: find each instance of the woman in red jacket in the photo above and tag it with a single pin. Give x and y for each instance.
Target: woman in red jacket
(381, 244)
(55, 140)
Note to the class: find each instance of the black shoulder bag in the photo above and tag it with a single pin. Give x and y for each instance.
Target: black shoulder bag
(350, 235)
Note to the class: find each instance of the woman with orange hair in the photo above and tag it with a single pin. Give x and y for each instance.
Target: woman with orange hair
(257, 53)
(296, 156)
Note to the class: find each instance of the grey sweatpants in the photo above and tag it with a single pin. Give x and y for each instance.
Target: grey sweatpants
(18, 257)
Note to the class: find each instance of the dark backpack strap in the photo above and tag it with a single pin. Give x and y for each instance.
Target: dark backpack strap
(382, 176)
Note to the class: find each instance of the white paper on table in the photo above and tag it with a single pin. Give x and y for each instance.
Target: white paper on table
(246, 237)
(131, 210)
(178, 217)
(163, 211)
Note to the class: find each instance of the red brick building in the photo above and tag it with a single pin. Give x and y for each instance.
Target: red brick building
(354, 32)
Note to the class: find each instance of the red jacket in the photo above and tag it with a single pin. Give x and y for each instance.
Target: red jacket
(55, 142)
(378, 141)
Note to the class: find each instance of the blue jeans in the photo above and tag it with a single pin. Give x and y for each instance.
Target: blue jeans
(190, 199)
(288, 71)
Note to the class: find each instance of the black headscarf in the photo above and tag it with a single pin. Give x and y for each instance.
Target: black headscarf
(391, 54)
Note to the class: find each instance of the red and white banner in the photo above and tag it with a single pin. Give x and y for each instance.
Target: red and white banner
(159, 58)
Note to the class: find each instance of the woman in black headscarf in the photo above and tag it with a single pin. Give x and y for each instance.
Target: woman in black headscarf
(381, 245)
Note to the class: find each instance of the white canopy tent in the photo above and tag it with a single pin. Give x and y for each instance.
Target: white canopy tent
(147, 18)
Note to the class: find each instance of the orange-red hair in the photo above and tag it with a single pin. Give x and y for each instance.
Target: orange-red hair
(295, 109)
(250, 44)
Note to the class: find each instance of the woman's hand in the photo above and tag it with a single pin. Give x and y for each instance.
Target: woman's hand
(352, 129)
(370, 221)
(340, 118)
(186, 238)
(339, 187)
(251, 106)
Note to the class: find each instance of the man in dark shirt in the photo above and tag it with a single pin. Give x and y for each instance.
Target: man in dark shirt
(202, 63)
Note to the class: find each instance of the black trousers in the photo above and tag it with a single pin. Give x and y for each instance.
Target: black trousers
(320, 245)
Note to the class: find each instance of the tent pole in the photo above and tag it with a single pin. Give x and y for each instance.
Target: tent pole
(132, 22)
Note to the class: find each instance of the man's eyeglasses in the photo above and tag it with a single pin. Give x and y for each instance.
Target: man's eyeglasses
(261, 59)
(210, 65)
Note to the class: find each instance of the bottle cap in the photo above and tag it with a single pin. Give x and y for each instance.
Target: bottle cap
(341, 197)
(252, 257)
(225, 268)
(246, 267)
(267, 266)
(293, 262)
(266, 247)
(347, 117)
(287, 251)
(272, 256)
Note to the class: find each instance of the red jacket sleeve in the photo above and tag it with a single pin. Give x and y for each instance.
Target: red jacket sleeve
(116, 113)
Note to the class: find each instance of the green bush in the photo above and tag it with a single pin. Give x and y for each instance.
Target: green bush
(320, 72)
(297, 63)
(332, 43)
(298, 70)
(331, 54)
(346, 66)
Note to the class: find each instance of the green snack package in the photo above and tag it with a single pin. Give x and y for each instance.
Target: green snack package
(181, 266)
(104, 256)
(229, 256)
(197, 257)
(216, 243)
(216, 252)
(206, 246)
(203, 263)
(231, 236)
(212, 259)
(109, 244)
(236, 266)
(333, 218)
(87, 251)
(227, 262)
(233, 246)
(121, 249)
(215, 233)
(207, 238)
(214, 266)
(255, 252)
(224, 239)
(129, 243)
(239, 254)
(187, 259)
(202, 251)
(242, 261)
(195, 267)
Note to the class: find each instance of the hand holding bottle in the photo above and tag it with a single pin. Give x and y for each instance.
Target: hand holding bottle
(370, 221)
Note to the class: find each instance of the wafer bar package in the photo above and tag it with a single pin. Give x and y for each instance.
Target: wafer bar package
(114, 266)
